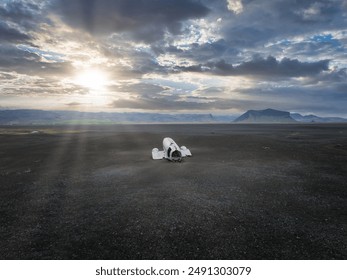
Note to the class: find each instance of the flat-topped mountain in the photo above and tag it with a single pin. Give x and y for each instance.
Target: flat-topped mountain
(265, 116)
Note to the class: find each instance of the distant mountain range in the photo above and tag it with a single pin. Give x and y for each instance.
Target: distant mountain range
(313, 118)
(275, 116)
(40, 117)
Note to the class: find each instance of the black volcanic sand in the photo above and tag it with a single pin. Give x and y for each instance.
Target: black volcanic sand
(248, 192)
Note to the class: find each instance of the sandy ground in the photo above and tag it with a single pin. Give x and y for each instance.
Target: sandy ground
(248, 192)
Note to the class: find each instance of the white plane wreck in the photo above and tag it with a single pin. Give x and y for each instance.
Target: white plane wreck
(171, 151)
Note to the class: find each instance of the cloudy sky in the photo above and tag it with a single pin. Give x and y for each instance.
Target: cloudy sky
(200, 56)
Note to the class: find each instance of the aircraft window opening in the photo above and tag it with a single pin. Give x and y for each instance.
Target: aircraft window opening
(168, 152)
(176, 154)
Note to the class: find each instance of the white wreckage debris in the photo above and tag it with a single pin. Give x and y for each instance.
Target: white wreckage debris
(171, 151)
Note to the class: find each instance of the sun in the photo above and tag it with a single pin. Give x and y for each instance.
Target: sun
(93, 79)
(95, 82)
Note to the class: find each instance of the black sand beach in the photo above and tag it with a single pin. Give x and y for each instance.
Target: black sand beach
(248, 192)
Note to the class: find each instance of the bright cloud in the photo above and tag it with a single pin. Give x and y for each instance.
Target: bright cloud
(235, 6)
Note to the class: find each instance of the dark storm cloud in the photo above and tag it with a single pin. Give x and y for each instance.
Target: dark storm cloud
(16, 18)
(146, 20)
(9, 34)
(262, 67)
(200, 52)
(263, 21)
(24, 14)
(25, 62)
(140, 60)
(18, 10)
(312, 49)
(271, 67)
(337, 76)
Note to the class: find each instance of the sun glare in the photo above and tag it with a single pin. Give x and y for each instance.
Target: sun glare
(92, 78)
(95, 82)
